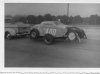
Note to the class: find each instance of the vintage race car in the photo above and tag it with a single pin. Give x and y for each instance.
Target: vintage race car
(16, 30)
(51, 30)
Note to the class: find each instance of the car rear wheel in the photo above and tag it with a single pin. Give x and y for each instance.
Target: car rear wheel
(34, 34)
(73, 36)
(48, 39)
(8, 35)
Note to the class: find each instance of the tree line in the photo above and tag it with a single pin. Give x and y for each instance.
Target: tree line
(32, 19)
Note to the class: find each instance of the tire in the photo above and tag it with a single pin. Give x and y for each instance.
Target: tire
(8, 35)
(73, 36)
(85, 37)
(48, 39)
(34, 34)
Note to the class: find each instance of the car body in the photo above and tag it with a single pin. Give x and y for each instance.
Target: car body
(56, 29)
(16, 30)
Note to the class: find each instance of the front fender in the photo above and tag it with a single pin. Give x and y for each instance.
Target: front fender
(35, 26)
(11, 31)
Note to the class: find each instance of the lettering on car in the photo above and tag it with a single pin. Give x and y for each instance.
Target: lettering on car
(51, 31)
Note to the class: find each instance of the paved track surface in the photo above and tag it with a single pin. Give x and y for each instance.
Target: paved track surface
(62, 54)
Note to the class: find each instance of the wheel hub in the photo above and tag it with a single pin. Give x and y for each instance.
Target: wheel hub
(33, 34)
(8, 36)
(47, 40)
(71, 36)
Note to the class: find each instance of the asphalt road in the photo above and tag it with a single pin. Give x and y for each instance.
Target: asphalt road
(62, 54)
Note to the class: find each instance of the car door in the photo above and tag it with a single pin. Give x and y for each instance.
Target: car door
(48, 28)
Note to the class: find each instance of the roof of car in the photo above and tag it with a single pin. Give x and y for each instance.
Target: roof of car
(48, 22)
(53, 22)
(22, 25)
(10, 25)
(17, 25)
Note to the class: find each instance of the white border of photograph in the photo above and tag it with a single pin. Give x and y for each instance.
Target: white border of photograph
(52, 1)
(28, 69)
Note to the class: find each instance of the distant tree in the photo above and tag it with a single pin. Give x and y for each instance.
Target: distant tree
(71, 20)
(86, 20)
(19, 18)
(8, 18)
(94, 19)
(77, 19)
(98, 20)
(40, 18)
(48, 17)
(54, 18)
(59, 17)
(64, 19)
(31, 19)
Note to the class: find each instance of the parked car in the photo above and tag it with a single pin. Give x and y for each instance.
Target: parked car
(51, 30)
(16, 30)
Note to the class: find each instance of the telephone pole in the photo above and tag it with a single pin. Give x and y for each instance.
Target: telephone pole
(68, 9)
(68, 12)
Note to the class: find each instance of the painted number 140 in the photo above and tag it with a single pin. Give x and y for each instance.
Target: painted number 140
(51, 31)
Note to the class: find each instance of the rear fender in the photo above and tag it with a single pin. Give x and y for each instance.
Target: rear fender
(80, 32)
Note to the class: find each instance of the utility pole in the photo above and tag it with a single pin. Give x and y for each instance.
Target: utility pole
(68, 9)
(68, 12)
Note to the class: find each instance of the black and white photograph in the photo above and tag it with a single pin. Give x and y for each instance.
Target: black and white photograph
(52, 35)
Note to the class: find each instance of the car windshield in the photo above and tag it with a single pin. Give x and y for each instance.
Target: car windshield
(47, 23)
(57, 23)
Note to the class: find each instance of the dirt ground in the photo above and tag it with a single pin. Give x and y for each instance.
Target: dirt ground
(28, 53)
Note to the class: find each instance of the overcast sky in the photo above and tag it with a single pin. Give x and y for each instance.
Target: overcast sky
(83, 9)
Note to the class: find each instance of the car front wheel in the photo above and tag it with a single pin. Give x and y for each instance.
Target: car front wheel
(8, 35)
(73, 36)
(34, 34)
(48, 39)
